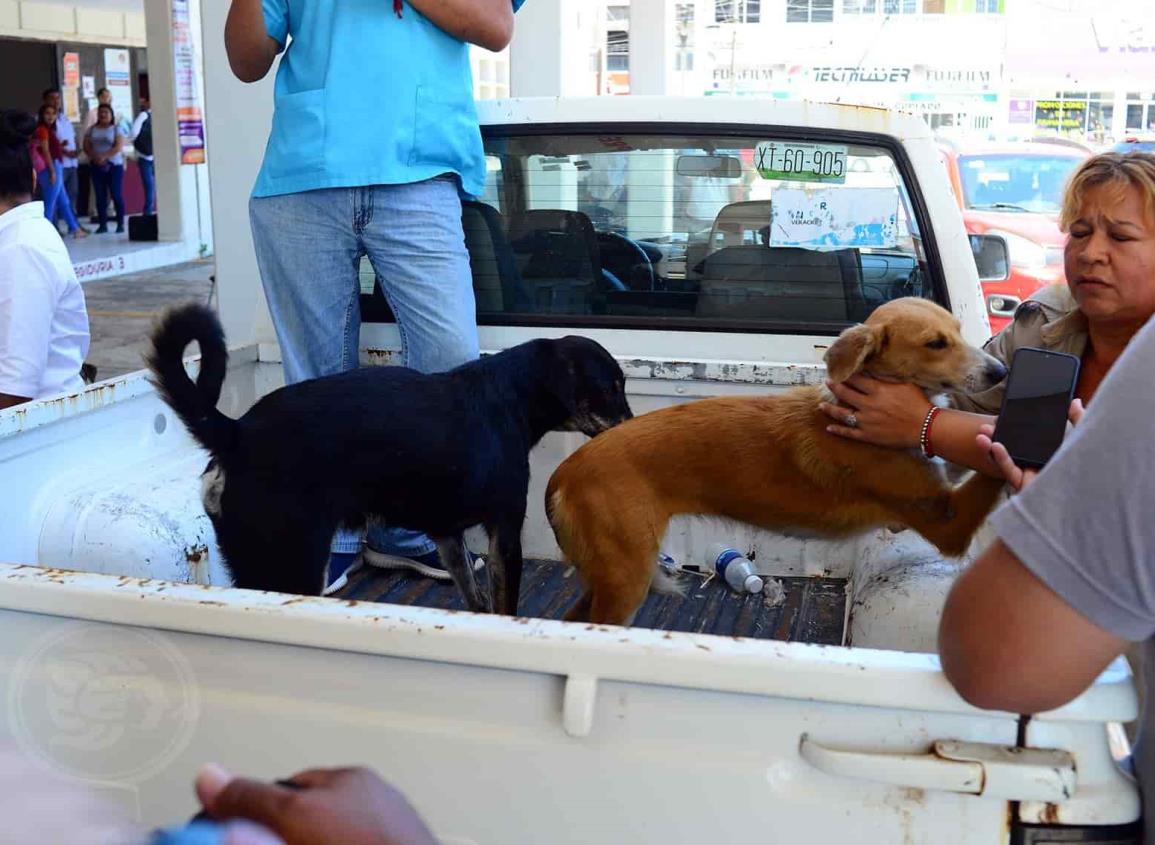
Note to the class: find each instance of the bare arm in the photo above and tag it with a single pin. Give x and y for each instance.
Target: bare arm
(45, 151)
(486, 23)
(952, 438)
(250, 50)
(118, 146)
(1008, 642)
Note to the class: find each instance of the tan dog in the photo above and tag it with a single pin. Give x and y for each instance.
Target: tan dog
(769, 461)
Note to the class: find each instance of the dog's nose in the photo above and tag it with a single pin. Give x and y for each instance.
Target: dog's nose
(995, 371)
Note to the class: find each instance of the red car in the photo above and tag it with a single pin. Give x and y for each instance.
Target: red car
(1016, 191)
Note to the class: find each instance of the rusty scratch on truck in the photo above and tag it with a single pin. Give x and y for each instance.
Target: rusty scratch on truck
(732, 372)
(44, 411)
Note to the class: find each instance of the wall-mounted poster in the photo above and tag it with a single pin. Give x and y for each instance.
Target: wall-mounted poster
(71, 76)
(190, 120)
(118, 79)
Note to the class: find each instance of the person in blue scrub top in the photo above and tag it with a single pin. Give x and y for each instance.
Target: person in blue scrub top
(374, 139)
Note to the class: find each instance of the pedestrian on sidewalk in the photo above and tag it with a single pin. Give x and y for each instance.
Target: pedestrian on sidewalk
(70, 152)
(142, 143)
(52, 177)
(87, 194)
(103, 145)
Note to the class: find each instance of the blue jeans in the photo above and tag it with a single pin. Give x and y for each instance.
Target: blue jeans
(309, 246)
(56, 197)
(148, 181)
(104, 182)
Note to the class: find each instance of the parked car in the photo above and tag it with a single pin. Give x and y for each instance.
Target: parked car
(1016, 191)
(1136, 144)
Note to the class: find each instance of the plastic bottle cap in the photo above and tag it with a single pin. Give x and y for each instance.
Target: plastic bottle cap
(753, 584)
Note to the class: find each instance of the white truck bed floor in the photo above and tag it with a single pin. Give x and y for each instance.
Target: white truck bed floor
(814, 610)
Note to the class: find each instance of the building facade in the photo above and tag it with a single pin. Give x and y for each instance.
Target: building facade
(1083, 69)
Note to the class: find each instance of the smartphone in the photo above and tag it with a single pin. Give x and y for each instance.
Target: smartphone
(1033, 418)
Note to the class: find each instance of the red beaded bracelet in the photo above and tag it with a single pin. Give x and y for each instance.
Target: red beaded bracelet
(924, 436)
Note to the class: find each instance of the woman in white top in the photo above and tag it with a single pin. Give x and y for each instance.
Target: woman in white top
(43, 321)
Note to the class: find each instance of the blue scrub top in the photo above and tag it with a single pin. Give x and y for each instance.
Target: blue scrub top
(364, 97)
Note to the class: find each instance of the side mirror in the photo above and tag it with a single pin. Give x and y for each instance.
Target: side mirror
(720, 167)
(992, 257)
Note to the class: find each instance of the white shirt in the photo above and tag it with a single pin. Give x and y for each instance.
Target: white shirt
(65, 131)
(90, 120)
(136, 126)
(43, 319)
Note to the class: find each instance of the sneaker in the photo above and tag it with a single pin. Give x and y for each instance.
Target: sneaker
(102, 230)
(120, 228)
(341, 566)
(428, 564)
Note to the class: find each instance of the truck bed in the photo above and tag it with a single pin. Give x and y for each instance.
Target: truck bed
(814, 610)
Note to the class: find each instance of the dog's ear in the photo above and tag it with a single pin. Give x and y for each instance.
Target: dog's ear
(846, 356)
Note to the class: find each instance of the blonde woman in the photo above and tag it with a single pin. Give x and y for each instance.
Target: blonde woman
(1109, 215)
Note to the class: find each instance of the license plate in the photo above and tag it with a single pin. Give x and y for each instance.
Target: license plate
(788, 161)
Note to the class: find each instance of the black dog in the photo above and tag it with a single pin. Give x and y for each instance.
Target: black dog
(435, 453)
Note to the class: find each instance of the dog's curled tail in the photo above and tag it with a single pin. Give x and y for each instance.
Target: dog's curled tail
(195, 404)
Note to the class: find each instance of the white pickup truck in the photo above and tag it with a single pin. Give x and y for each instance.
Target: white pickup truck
(715, 247)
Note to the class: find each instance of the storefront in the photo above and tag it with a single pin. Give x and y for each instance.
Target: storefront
(948, 97)
(80, 70)
(947, 68)
(101, 44)
(1084, 76)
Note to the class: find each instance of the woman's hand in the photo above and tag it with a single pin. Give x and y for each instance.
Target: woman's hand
(1015, 475)
(1076, 411)
(877, 412)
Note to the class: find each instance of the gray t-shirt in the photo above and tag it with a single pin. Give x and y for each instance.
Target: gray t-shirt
(1086, 527)
(104, 139)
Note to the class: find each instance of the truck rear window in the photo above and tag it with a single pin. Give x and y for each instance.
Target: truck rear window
(693, 232)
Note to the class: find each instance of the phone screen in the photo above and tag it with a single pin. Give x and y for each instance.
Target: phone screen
(1033, 418)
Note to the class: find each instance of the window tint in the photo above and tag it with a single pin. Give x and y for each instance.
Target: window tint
(710, 230)
(690, 232)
